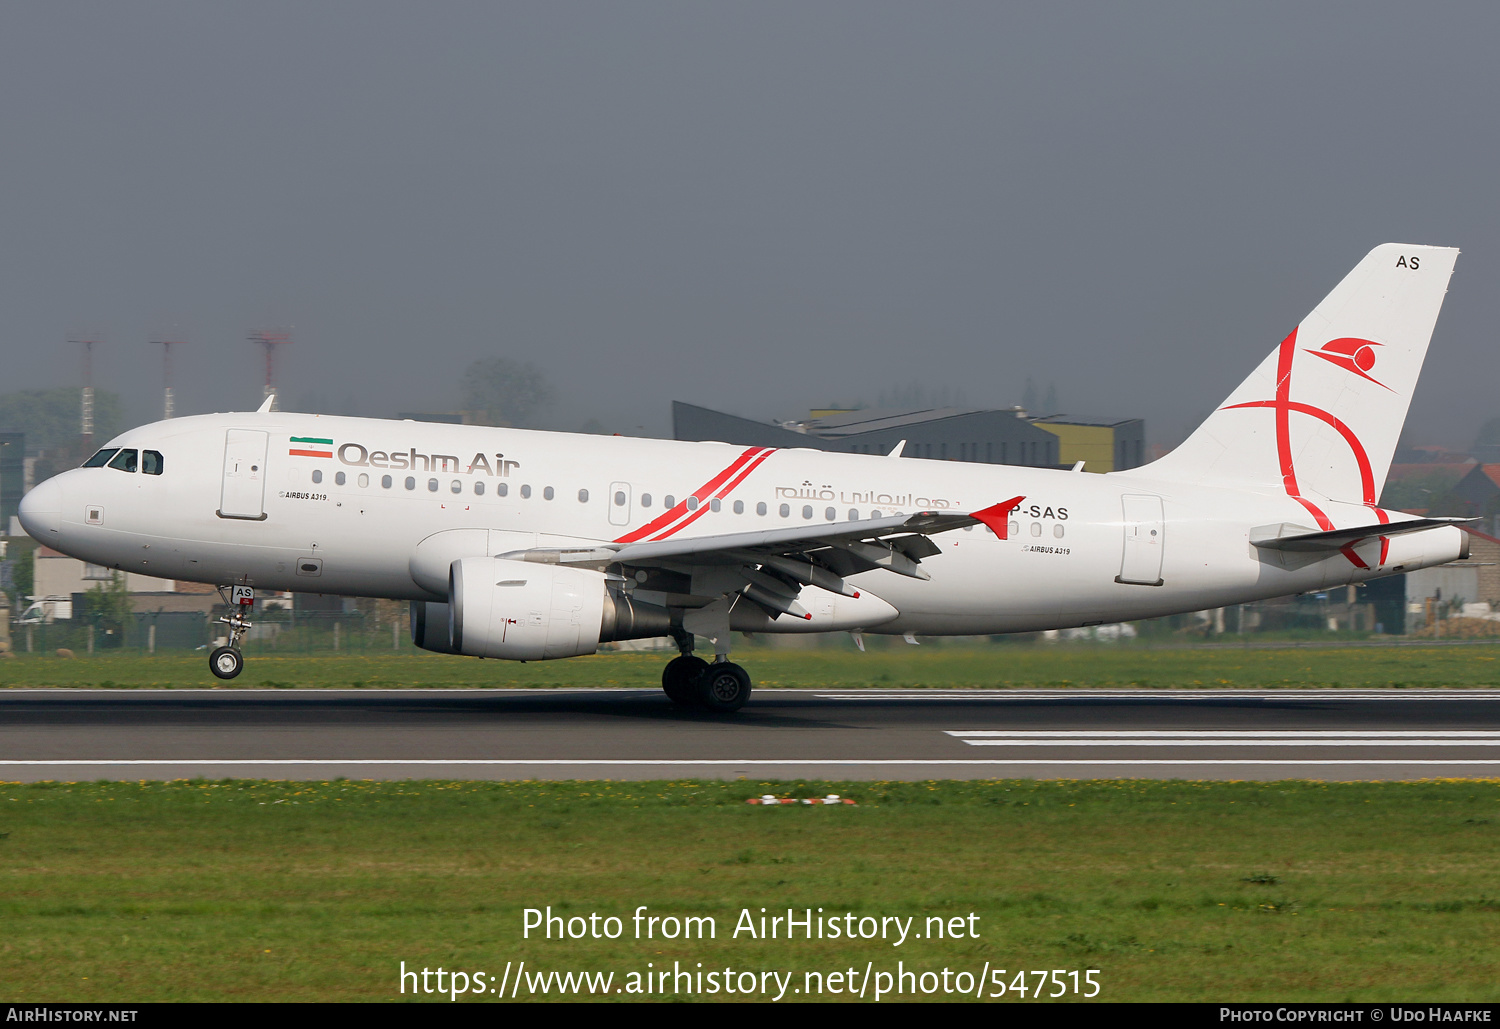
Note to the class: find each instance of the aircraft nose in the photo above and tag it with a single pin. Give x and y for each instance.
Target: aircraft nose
(41, 511)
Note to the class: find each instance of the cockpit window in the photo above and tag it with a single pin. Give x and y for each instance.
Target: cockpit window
(101, 459)
(151, 462)
(124, 461)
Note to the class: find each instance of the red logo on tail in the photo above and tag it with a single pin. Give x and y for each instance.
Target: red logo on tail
(1351, 354)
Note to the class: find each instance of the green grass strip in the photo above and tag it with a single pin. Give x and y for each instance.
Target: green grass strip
(254, 890)
(997, 666)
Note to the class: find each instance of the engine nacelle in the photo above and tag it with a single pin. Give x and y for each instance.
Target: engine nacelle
(429, 626)
(530, 611)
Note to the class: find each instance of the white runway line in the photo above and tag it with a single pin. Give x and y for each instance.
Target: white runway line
(707, 762)
(1112, 694)
(1228, 738)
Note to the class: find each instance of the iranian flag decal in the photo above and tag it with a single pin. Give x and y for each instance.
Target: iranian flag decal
(308, 446)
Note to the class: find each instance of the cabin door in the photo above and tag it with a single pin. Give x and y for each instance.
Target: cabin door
(1140, 563)
(244, 489)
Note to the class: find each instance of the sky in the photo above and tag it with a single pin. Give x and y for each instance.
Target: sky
(759, 208)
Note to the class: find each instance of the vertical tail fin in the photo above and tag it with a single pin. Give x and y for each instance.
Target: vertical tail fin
(1321, 415)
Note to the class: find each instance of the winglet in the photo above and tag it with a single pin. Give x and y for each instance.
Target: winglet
(997, 516)
(265, 407)
(896, 450)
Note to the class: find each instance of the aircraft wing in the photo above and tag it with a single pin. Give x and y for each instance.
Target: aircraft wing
(771, 565)
(1337, 539)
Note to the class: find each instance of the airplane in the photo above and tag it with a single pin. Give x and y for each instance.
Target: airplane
(528, 545)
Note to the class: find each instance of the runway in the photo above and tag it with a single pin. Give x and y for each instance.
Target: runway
(783, 734)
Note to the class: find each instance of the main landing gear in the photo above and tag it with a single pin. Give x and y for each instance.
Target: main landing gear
(721, 687)
(227, 662)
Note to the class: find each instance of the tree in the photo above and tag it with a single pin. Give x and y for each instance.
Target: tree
(22, 577)
(506, 392)
(1028, 397)
(50, 417)
(108, 606)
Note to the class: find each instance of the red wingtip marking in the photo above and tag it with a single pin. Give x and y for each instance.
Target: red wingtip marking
(856, 594)
(807, 617)
(997, 516)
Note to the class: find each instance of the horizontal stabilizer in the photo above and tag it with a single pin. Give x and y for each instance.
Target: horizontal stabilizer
(1297, 538)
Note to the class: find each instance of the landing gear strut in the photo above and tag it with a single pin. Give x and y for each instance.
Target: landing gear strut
(227, 662)
(721, 687)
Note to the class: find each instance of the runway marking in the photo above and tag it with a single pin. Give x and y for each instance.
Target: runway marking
(716, 762)
(1227, 738)
(1395, 733)
(1112, 694)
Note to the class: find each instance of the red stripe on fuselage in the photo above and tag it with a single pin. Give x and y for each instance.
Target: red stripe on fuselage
(310, 453)
(664, 520)
(690, 519)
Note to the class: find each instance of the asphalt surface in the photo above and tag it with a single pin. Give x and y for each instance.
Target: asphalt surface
(782, 734)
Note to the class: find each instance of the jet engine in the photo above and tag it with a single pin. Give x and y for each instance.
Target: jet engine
(529, 611)
(429, 626)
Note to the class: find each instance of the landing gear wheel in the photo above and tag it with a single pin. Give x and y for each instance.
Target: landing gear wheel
(679, 678)
(226, 662)
(724, 687)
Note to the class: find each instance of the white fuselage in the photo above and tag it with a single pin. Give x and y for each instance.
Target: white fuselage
(386, 486)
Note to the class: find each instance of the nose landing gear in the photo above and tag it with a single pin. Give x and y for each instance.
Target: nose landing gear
(227, 662)
(722, 687)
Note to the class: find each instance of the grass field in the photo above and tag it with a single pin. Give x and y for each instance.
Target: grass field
(944, 666)
(1178, 891)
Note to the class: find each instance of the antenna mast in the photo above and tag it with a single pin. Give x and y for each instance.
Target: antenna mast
(269, 340)
(86, 407)
(168, 402)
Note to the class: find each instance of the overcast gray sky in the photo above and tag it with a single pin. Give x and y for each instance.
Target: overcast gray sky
(757, 207)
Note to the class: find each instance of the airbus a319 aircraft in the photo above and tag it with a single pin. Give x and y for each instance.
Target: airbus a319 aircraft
(531, 545)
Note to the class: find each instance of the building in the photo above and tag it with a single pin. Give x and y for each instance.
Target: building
(12, 475)
(1480, 489)
(1103, 446)
(942, 434)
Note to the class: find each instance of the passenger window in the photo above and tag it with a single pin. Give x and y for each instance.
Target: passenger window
(692, 503)
(786, 511)
(739, 507)
(619, 497)
(503, 488)
(432, 485)
(714, 505)
(455, 486)
(760, 508)
(1036, 528)
(101, 459)
(830, 514)
(526, 492)
(411, 482)
(385, 482)
(125, 460)
(806, 510)
(364, 480)
(479, 488)
(339, 478)
(875, 513)
(151, 462)
(670, 502)
(317, 475)
(583, 496)
(1015, 529)
(853, 515)
(1057, 530)
(547, 493)
(645, 500)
